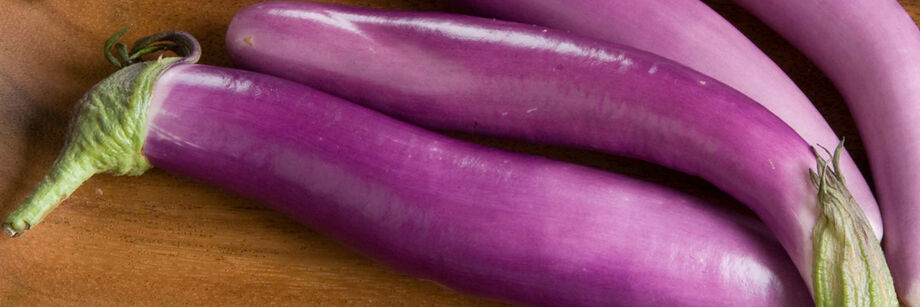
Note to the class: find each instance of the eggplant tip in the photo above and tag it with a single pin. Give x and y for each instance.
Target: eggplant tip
(10, 231)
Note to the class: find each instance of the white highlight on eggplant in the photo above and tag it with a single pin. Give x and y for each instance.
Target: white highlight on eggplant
(754, 275)
(435, 153)
(166, 135)
(625, 64)
(461, 31)
(468, 161)
(327, 17)
(228, 83)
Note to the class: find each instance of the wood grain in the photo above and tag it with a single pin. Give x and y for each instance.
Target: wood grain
(158, 239)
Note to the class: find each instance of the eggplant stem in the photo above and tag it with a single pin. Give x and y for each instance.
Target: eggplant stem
(10, 231)
(108, 128)
(66, 175)
(147, 50)
(181, 43)
(108, 48)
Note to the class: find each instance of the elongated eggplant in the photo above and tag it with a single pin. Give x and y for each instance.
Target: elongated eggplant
(692, 34)
(520, 81)
(504, 225)
(871, 50)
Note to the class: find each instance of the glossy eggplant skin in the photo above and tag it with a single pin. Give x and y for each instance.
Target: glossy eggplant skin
(870, 49)
(504, 225)
(526, 82)
(692, 34)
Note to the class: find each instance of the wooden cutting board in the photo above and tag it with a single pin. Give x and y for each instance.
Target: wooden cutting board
(160, 240)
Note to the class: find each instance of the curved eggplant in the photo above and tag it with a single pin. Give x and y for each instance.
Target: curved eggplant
(692, 34)
(499, 224)
(870, 49)
(526, 82)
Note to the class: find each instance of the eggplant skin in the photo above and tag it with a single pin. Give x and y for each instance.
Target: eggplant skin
(870, 49)
(503, 225)
(519, 81)
(690, 33)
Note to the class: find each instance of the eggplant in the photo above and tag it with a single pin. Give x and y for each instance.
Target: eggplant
(509, 226)
(869, 49)
(486, 76)
(692, 34)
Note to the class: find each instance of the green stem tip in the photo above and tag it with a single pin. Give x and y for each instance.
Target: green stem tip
(107, 131)
(850, 268)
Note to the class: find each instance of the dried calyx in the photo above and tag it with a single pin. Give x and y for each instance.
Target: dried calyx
(107, 130)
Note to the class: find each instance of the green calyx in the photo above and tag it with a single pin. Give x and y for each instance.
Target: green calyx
(850, 268)
(108, 129)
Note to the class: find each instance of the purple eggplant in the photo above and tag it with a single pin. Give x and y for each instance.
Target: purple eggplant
(526, 82)
(871, 50)
(504, 225)
(692, 34)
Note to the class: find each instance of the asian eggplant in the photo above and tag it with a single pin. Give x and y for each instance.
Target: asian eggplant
(692, 34)
(514, 80)
(504, 225)
(871, 51)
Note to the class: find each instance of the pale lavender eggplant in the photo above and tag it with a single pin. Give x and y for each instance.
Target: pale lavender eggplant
(527, 82)
(692, 34)
(509, 226)
(871, 50)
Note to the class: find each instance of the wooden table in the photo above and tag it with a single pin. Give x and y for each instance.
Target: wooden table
(164, 240)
